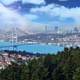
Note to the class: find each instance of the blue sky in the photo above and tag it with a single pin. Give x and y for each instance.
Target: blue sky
(33, 15)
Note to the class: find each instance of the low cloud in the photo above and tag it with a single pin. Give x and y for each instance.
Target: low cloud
(10, 18)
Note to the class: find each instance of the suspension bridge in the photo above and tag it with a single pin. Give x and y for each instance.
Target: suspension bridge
(14, 44)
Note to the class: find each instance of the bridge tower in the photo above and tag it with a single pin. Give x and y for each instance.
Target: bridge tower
(15, 35)
(14, 38)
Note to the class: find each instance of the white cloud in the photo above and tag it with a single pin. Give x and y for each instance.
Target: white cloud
(24, 1)
(61, 11)
(10, 18)
(45, 9)
(34, 1)
(8, 1)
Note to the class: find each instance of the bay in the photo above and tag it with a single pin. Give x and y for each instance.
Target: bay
(34, 48)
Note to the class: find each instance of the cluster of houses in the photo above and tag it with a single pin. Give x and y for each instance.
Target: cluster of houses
(7, 59)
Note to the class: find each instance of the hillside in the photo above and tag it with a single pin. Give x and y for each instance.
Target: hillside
(64, 65)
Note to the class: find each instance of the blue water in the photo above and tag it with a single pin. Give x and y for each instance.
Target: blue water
(35, 48)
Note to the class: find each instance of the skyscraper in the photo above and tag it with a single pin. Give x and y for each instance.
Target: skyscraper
(56, 29)
(46, 29)
(76, 30)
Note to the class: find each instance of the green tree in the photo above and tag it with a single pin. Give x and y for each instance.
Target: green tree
(76, 75)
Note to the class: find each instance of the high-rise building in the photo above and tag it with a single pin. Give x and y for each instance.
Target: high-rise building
(46, 29)
(56, 29)
(76, 30)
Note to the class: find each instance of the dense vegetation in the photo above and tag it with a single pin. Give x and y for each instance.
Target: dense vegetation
(62, 66)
